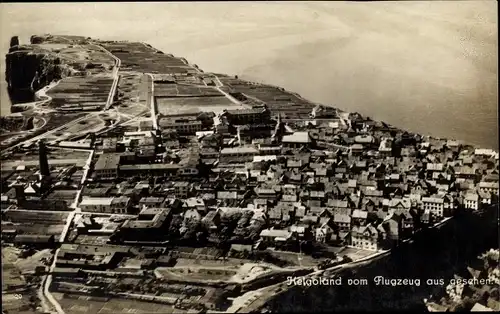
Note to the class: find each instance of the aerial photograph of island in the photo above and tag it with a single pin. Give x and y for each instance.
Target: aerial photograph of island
(249, 157)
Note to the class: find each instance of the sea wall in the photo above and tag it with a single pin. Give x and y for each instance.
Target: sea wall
(435, 254)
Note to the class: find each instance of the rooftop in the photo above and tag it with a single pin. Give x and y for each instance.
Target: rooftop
(107, 161)
(297, 137)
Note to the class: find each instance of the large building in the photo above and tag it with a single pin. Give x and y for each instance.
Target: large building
(106, 167)
(297, 140)
(434, 204)
(184, 125)
(238, 153)
(365, 237)
(258, 114)
(117, 205)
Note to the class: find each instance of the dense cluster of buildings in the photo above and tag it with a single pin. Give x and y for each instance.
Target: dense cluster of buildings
(279, 174)
(338, 180)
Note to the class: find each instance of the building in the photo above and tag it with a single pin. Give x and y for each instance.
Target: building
(258, 114)
(297, 140)
(148, 170)
(151, 202)
(323, 112)
(183, 125)
(365, 237)
(471, 201)
(385, 147)
(106, 167)
(109, 144)
(359, 217)
(35, 240)
(252, 131)
(274, 236)
(488, 187)
(324, 233)
(181, 189)
(357, 148)
(105, 204)
(238, 153)
(148, 226)
(434, 204)
(343, 222)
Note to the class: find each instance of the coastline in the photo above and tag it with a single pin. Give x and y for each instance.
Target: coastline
(275, 290)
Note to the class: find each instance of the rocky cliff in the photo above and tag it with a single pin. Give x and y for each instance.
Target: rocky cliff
(29, 68)
(479, 284)
(434, 255)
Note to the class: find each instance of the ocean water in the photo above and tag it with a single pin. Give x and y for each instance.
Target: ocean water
(429, 67)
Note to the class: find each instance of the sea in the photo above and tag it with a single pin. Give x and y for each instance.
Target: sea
(430, 67)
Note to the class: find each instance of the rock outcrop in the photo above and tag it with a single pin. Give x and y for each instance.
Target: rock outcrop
(434, 255)
(28, 69)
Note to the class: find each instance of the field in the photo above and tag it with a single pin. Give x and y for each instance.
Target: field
(17, 296)
(178, 90)
(53, 120)
(92, 123)
(175, 105)
(83, 91)
(180, 79)
(197, 274)
(227, 263)
(132, 96)
(276, 99)
(82, 304)
(80, 56)
(55, 156)
(139, 57)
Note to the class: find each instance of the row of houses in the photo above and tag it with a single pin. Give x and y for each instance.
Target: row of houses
(372, 185)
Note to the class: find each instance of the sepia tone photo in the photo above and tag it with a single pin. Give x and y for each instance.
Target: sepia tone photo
(249, 157)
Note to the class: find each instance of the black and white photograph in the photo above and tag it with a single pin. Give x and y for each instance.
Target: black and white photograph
(249, 157)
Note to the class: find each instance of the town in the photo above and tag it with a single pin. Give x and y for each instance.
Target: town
(189, 190)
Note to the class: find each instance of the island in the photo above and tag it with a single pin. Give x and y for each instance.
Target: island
(132, 180)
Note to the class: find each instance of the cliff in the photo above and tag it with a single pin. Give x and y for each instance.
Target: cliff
(29, 68)
(434, 255)
(477, 284)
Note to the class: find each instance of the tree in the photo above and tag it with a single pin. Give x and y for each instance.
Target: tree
(346, 259)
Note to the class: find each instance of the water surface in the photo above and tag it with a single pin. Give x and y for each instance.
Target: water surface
(430, 67)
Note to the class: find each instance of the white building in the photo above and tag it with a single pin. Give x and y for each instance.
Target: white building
(365, 238)
(489, 187)
(471, 201)
(105, 204)
(434, 204)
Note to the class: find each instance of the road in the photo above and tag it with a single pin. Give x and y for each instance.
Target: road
(116, 77)
(43, 91)
(150, 98)
(36, 138)
(69, 221)
(247, 302)
(231, 98)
